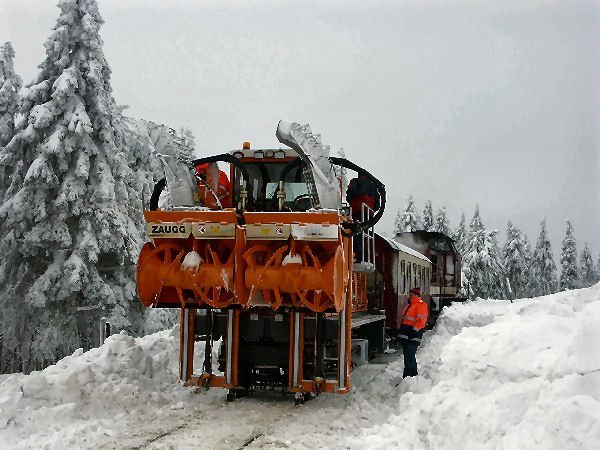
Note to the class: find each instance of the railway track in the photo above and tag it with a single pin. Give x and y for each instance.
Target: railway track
(264, 419)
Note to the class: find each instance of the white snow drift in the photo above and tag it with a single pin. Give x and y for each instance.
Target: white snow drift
(494, 375)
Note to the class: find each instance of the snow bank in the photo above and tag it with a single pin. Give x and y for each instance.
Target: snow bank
(502, 375)
(494, 375)
(88, 397)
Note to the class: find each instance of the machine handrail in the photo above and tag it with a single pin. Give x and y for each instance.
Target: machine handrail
(367, 235)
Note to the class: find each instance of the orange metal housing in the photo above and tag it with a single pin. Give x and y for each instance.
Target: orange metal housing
(291, 261)
(267, 266)
(163, 277)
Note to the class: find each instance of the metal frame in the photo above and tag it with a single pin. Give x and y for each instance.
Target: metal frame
(367, 236)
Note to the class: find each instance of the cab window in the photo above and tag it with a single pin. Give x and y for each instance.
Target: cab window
(263, 184)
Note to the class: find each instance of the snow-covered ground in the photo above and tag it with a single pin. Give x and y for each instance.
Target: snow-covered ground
(494, 375)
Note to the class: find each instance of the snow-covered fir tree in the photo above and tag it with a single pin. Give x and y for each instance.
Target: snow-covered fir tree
(407, 220)
(569, 275)
(142, 157)
(543, 278)
(10, 84)
(588, 274)
(69, 242)
(428, 223)
(528, 246)
(482, 261)
(442, 224)
(498, 285)
(516, 260)
(398, 227)
(460, 235)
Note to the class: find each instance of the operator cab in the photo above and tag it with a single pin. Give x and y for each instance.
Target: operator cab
(265, 170)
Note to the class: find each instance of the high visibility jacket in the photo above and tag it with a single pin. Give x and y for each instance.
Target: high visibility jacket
(414, 319)
(220, 187)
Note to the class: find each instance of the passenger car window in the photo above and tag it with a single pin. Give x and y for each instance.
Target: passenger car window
(403, 276)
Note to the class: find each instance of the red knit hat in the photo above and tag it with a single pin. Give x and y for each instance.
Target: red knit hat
(415, 291)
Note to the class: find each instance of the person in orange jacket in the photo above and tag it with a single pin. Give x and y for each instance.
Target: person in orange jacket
(414, 319)
(218, 182)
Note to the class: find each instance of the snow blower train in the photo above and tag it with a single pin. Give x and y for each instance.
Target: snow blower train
(260, 262)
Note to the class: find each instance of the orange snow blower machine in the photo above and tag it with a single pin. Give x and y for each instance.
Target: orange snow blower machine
(271, 287)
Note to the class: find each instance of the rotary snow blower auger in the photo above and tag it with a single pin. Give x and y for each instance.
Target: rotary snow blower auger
(314, 279)
(191, 258)
(270, 277)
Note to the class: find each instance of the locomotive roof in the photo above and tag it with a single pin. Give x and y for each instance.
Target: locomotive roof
(403, 248)
(429, 237)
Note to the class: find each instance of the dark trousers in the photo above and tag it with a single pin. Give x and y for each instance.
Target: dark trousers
(409, 350)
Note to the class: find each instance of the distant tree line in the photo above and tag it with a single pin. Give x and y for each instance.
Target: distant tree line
(514, 270)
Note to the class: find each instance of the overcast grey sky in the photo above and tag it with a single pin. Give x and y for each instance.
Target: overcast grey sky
(460, 102)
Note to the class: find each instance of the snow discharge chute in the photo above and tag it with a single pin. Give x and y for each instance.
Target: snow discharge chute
(324, 187)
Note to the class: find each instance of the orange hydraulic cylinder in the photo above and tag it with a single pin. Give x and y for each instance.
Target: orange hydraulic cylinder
(232, 348)
(186, 345)
(296, 358)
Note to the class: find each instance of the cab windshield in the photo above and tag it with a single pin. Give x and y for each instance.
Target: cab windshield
(292, 190)
(263, 183)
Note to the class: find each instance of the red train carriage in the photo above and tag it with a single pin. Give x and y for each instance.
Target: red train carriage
(398, 268)
(445, 275)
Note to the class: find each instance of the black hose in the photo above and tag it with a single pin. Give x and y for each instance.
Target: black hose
(358, 227)
(158, 188)
(224, 157)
